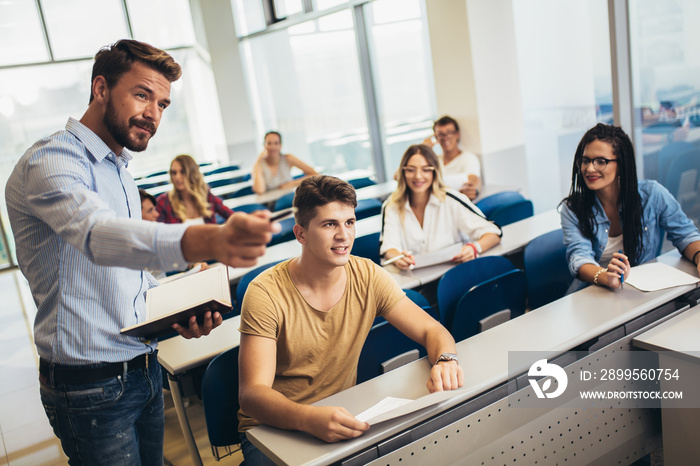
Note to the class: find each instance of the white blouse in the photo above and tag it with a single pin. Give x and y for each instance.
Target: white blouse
(456, 219)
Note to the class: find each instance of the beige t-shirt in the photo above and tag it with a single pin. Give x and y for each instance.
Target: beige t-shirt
(317, 352)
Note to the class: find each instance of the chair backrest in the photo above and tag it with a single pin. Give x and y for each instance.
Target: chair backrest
(220, 169)
(489, 303)
(220, 400)
(546, 269)
(384, 342)
(685, 164)
(218, 183)
(367, 208)
(358, 183)
(286, 234)
(512, 213)
(245, 281)
(244, 191)
(367, 246)
(284, 202)
(490, 203)
(248, 208)
(462, 278)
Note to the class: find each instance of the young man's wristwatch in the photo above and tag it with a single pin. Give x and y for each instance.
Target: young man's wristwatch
(447, 357)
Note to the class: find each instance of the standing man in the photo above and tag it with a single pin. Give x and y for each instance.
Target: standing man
(76, 217)
(304, 321)
(453, 159)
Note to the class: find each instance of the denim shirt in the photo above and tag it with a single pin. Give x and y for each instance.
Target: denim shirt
(660, 212)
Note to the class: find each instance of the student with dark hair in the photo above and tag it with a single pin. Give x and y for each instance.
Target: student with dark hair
(454, 160)
(423, 215)
(610, 220)
(304, 321)
(148, 206)
(190, 201)
(83, 246)
(273, 169)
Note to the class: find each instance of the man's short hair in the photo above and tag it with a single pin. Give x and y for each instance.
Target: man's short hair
(145, 195)
(446, 120)
(319, 190)
(114, 60)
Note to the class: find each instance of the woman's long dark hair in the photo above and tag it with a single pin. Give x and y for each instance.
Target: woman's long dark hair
(581, 200)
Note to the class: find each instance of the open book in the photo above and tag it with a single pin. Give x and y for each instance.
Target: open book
(177, 301)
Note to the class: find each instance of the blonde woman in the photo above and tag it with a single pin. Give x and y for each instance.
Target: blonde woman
(272, 169)
(424, 216)
(190, 200)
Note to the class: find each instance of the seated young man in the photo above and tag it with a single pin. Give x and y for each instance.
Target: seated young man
(304, 321)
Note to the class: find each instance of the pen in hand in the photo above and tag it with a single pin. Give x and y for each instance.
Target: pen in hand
(622, 275)
(395, 259)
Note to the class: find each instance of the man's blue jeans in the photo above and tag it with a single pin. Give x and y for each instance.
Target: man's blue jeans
(252, 455)
(117, 421)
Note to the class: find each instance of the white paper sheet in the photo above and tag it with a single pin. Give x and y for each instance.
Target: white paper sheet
(658, 276)
(437, 257)
(455, 180)
(390, 407)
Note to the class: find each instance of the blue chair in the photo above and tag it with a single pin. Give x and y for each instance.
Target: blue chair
(285, 201)
(248, 208)
(490, 203)
(217, 183)
(367, 208)
(245, 281)
(244, 191)
(460, 279)
(512, 213)
(546, 269)
(385, 349)
(221, 169)
(158, 173)
(367, 246)
(220, 400)
(489, 303)
(287, 233)
(358, 183)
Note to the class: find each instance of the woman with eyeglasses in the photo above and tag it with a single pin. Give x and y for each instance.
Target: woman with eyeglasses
(424, 216)
(610, 220)
(190, 201)
(273, 169)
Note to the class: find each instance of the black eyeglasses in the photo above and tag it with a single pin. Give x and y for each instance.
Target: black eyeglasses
(445, 135)
(599, 163)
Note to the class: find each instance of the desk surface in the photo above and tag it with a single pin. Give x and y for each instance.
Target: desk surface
(178, 354)
(678, 334)
(551, 329)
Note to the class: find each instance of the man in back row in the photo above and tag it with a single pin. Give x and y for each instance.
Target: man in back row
(304, 321)
(76, 217)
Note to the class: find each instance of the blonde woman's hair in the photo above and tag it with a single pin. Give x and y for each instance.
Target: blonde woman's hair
(194, 184)
(403, 193)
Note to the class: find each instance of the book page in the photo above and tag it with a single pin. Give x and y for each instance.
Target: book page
(437, 257)
(189, 291)
(390, 407)
(455, 180)
(658, 276)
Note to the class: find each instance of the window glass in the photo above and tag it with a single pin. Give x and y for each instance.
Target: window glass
(305, 82)
(563, 53)
(666, 86)
(401, 63)
(248, 16)
(65, 17)
(162, 23)
(20, 18)
(285, 8)
(325, 4)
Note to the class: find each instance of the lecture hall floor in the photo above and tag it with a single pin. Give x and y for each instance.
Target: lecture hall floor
(27, 438)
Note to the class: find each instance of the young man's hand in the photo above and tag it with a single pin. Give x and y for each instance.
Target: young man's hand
(446, 375)
(332, 423)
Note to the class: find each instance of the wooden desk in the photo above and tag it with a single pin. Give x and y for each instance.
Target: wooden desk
(551, 329)
(178, 355)
(676, 340)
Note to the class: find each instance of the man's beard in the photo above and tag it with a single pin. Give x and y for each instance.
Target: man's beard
(120, 132)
